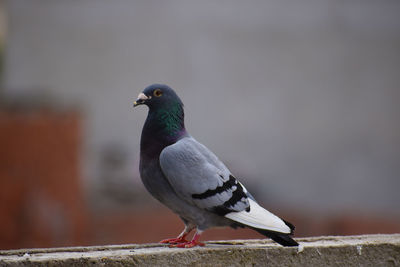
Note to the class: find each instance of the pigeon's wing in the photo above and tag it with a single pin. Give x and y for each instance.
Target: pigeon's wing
(200, 178)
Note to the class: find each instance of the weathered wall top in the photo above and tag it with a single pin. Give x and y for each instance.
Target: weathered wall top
(365, 250)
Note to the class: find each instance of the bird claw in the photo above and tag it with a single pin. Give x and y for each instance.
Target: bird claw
(189, 244)
(177, 240)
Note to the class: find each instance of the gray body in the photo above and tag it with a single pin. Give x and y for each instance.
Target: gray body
(160, 187)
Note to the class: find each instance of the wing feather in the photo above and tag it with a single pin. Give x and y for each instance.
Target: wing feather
(200, 178)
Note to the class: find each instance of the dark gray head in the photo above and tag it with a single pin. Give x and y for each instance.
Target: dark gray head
(158, 96)
(165, 120)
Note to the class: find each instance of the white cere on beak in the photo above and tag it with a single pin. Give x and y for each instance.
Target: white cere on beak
(142, 96)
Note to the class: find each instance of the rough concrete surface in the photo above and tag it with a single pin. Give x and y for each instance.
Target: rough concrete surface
(364, 250)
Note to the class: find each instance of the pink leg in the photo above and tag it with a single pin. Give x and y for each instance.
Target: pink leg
(180, 238)
(194, 242)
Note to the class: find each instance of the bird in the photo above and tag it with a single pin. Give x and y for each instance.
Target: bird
(189, 179)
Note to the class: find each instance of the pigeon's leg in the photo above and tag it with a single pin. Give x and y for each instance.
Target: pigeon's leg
(195, 241)
(181, 236)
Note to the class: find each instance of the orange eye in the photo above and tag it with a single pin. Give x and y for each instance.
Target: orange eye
(157, 93)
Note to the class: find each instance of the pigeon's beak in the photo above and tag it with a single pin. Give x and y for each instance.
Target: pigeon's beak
(140, 100)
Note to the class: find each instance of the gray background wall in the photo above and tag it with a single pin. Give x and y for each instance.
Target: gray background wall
(299, 98)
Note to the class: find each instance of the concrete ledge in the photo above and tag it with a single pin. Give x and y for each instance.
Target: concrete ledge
(365, 250)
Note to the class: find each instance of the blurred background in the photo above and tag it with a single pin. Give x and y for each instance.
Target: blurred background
(300, 99)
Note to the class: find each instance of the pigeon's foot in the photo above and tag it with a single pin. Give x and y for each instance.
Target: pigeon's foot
(189, 244)
(195, 242)
(181, 238)
(177, 240)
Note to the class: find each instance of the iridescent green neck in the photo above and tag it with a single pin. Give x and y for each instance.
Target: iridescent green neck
(169, 119)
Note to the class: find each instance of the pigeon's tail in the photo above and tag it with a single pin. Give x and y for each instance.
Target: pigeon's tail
(283, 239)
(266, 223)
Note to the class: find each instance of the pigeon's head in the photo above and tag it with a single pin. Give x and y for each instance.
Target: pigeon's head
(165, 119)
(158, 96)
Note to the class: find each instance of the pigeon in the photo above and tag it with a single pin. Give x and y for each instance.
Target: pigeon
(189, 179)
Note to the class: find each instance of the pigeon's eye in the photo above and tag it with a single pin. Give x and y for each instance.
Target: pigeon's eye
(157, 93)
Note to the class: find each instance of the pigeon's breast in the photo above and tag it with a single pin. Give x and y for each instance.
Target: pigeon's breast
(154, 181)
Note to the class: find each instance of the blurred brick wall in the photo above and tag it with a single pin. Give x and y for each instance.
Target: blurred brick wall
(41, 201)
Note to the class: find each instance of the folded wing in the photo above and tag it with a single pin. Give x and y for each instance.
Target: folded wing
(200, 178)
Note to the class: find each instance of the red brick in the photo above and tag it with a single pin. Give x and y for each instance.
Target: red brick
(41, 202)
